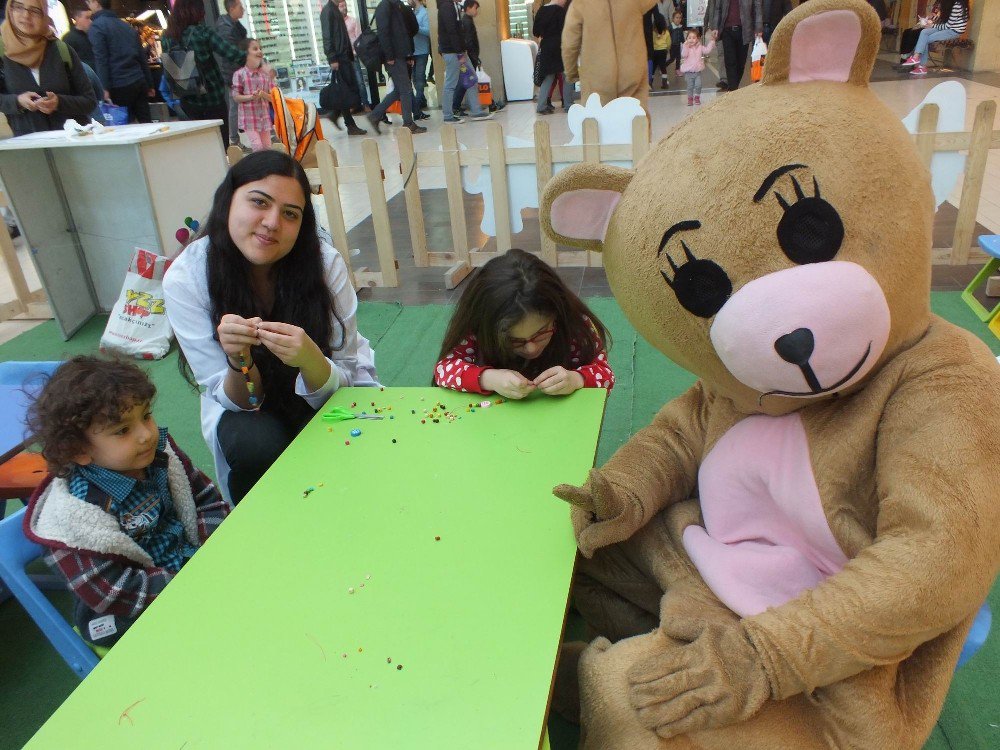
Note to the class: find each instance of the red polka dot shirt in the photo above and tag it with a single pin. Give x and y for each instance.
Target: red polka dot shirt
(459, 370)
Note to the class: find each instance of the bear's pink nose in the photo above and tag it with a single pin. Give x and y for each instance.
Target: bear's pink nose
(803, 331)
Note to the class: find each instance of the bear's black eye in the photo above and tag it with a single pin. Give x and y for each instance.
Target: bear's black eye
(701, 286)
(810, 231)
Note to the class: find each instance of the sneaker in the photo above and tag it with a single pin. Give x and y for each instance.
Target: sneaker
(919, 70)
(374, 122)
(911, 60)
(664, 83)
(415, 129)
(482, 116)
(697, 100)
(454, 120)
(690, 101)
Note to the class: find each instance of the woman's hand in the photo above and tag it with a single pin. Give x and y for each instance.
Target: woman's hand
(290, 344)
(507, 383)
(29, 100)
(48, 104)
(237, 334)
(558, 381)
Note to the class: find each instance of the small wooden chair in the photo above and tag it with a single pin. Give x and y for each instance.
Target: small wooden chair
(990, 243)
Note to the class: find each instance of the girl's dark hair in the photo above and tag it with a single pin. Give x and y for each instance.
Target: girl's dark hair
(506, 289)
(301, 295)
(83, 392)
(185, 13)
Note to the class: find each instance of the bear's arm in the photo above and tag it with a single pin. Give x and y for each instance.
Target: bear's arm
(658, 466)
(937, 545)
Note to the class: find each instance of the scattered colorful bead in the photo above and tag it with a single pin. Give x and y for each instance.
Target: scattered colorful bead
(355, 432)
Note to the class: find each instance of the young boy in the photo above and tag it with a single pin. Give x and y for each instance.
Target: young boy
(123, 508)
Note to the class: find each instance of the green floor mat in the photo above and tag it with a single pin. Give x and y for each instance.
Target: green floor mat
(34, 680)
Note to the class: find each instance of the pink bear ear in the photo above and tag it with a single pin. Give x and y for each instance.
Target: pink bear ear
(579, 201)
(583, 214)
(823, 47)
(824, 40)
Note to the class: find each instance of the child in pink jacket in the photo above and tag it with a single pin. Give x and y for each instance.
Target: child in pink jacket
(693, 63)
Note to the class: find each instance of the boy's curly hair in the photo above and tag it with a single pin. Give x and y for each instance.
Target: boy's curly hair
(82, 392)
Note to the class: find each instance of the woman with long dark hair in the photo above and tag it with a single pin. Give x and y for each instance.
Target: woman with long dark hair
(518, 328)
(187, 28)
(264, 312)
(953, 22)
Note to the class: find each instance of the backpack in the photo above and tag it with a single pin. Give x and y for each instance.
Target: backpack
(367, 49)
(181, 71)
(410, 20)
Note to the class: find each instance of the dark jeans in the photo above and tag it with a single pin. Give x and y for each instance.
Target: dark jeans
(252, 440)
(135, 97)
(212, 112)
(420, 82)
(401, 92)
(736, 53)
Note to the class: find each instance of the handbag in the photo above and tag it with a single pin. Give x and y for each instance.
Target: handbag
(367, 49)
(536, 75)
(338, 95)
(467, 77)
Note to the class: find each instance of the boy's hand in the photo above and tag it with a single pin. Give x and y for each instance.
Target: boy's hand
(290, 344)
(507, 383)
(237, 334)
(558, 381)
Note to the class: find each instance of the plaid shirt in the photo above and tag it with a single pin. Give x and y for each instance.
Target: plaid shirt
(204, 41)
(143, 507)
(254, 115)
(110, 584)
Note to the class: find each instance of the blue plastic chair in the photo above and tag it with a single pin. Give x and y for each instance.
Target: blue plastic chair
(16, 551)
(977, 635)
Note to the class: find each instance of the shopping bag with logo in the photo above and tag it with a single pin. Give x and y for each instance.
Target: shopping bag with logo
(467, 77)
(485, 90)
(113, 114)
(757, 60)
(138, 324)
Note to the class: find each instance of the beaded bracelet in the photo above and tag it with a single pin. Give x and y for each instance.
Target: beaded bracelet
(251, 388)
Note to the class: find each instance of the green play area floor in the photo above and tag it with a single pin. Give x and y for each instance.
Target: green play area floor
(34, 680)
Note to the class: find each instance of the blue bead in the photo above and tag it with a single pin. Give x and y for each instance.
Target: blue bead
(355, 432)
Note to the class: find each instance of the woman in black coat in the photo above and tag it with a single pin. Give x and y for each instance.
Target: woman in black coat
(548, 26)
(61, 89)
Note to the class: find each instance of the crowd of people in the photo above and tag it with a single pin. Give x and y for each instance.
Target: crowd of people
(582, 43)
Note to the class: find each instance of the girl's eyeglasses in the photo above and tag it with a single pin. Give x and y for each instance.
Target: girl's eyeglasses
(536, 339)
(19, 8)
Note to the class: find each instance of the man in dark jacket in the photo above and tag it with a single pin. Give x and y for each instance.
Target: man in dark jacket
(451, 45)
(228, 27)
(471, 38)
(774, 11)
(738, 22)
(396, 41)
(121, 62)
(340, 55)
(77, 38)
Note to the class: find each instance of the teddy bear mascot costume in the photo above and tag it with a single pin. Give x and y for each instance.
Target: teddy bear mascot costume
(791, 554)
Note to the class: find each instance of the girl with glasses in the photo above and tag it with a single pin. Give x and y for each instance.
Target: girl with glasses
(518, 329)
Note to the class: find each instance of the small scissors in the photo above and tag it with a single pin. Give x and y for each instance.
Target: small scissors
(339, 414)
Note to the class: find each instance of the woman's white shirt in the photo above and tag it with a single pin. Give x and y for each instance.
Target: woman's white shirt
(185, 291)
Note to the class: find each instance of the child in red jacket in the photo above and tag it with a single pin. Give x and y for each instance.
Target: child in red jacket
(517, 329)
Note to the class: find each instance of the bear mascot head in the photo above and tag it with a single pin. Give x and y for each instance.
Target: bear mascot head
(813, 526)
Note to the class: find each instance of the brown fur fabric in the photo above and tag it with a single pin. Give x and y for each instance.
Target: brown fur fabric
(903, 458)
(603, 46)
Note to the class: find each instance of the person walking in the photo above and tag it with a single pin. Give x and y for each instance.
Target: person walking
(340, 56)
(228, 27)
(738, 23)
(421, 51)
(396, 42)
(121, 62)
(548, 27)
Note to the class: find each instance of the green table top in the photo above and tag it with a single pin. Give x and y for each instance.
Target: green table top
(459, 559)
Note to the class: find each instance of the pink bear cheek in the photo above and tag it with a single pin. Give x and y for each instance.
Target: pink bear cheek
(835, 312)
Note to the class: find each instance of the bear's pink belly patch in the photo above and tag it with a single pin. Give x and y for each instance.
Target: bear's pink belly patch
(766, 538)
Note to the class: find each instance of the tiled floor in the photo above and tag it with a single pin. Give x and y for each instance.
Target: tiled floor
(426, 285)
